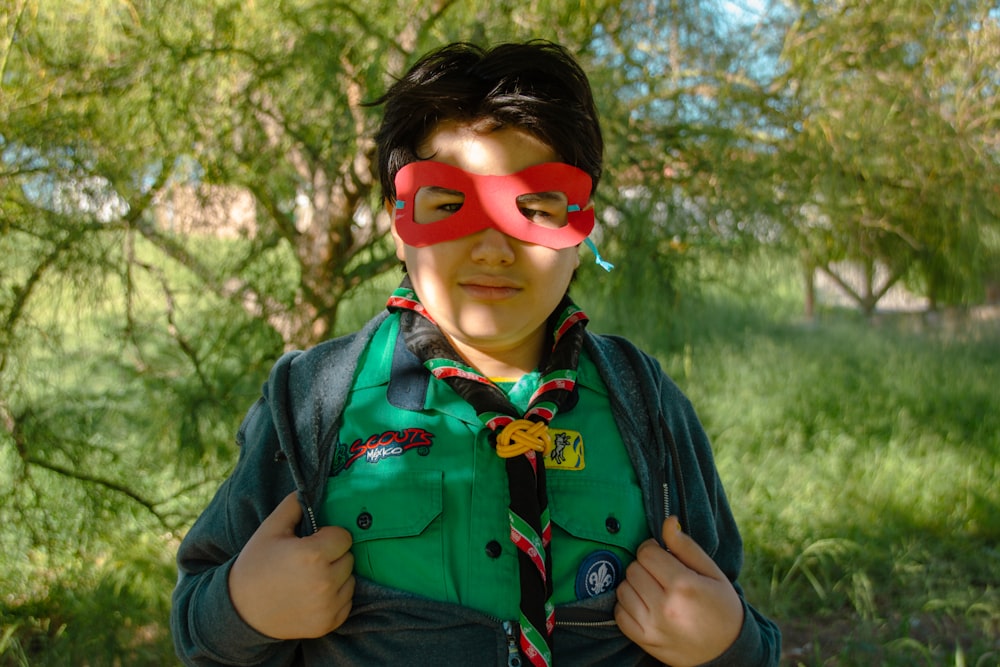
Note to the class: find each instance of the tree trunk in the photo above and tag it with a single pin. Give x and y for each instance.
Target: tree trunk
(809, 284)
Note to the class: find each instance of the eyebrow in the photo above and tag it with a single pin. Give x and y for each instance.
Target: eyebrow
(438, 190)
(553, 195)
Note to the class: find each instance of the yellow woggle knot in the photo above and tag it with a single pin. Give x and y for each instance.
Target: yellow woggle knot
(522, 436)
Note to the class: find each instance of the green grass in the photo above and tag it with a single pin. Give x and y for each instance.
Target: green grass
(864, 467)
(861, 461)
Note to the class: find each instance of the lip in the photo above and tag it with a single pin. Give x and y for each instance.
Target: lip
(490, 288)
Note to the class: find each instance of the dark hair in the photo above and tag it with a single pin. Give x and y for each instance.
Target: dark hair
(536, 86)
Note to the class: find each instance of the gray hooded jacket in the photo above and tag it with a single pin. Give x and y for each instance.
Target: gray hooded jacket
(287, 440)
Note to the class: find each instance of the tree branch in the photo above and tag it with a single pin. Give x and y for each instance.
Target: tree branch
(149, 505)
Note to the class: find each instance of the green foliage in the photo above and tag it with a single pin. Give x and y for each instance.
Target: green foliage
(104, 609)
(120, 398)
(894, 147)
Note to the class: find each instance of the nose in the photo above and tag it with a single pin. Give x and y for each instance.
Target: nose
(491, 246)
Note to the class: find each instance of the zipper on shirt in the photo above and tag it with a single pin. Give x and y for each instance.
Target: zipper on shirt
(513, 655)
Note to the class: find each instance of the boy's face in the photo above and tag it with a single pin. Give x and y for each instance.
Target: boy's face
(489, 293)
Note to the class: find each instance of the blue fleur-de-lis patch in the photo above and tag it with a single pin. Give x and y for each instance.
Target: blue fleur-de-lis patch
(599, 573)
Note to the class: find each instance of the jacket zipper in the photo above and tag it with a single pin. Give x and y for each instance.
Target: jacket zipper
(312, 519)
(610, 623)
(513, 655)
(666, 501)
(509, 629)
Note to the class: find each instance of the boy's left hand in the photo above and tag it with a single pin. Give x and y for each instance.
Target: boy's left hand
(677, 604)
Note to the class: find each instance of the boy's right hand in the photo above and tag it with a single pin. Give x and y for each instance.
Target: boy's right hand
(290, 587)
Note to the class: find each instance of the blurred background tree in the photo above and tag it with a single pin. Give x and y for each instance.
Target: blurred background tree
(196, 189)
(893, 152)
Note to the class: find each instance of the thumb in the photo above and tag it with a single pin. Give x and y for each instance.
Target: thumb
(687, 551)
(283, 518)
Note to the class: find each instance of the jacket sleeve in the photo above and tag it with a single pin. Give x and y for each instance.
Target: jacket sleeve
(304, 394)
(206, 628)
(711, 522)
(670, 447)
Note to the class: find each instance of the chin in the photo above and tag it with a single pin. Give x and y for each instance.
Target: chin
(481, 336)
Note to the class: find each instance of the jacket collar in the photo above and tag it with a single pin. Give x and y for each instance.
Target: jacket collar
(408, 380)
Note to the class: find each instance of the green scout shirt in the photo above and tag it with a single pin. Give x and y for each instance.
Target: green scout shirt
(425, 497)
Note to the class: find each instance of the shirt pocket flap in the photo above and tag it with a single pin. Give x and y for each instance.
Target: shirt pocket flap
(376, 506)
(599, 512)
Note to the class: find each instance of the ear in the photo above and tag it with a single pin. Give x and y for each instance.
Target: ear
(390, 208)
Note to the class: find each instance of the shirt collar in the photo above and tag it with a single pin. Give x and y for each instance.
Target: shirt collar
(389, 362)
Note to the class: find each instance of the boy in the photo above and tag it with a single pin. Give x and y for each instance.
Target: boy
(472, 478)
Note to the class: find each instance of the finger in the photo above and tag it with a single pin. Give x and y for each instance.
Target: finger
(688, 552)
(658, 564)
(627, 615)
(347, 595)
(645, 578)
(283, 518)
(631, 601)
(333, 542)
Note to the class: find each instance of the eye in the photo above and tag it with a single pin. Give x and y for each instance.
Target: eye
(433, 204)
(537, 216)
(545, 209)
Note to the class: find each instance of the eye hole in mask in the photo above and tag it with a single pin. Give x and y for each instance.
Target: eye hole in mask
(549, 210)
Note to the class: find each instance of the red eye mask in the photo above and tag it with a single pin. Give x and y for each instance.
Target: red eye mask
(492, 201)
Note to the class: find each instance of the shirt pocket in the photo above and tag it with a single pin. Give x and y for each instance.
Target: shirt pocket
(599, 512)
(597, 528)
(395, 520)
